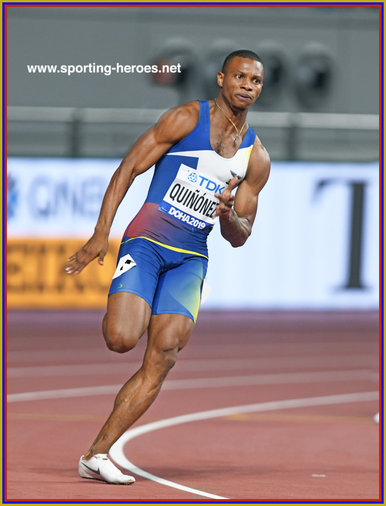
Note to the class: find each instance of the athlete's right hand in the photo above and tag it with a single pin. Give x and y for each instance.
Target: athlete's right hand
(96, 246)
(226, 198)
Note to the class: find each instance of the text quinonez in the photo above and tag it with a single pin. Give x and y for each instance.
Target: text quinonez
(190, 198)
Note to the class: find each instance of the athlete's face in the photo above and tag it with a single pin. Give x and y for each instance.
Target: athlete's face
(241, 82)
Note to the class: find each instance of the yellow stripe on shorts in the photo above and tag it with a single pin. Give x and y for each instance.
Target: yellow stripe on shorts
(179, 250)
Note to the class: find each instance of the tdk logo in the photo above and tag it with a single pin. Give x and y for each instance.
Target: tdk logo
(187, 174)
(210, 185)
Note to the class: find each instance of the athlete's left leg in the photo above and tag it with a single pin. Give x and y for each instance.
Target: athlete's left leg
(167, 335)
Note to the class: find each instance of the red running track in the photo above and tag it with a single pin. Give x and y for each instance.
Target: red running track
(323, 445)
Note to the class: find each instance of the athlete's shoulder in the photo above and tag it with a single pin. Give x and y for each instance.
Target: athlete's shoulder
(180, 119)
(188, 112)
(259, 152)
(259, 165)
(192, 107)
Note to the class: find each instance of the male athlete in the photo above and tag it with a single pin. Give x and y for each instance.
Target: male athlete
(201, 150)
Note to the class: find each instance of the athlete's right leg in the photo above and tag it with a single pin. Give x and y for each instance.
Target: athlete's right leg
(125, 321)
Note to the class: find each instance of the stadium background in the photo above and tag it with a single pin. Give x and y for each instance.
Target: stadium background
(315, 241)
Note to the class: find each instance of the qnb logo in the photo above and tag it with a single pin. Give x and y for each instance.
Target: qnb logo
(12, 196)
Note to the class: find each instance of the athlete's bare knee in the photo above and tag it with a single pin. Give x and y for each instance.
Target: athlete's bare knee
(157, 365)
(162, 358)
(169, 348)
(169, 358)
(119, 343)
(117, 338)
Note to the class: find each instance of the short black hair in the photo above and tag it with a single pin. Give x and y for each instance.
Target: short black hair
(242, 53)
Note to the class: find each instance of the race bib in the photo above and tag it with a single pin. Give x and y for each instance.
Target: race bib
(190, 198)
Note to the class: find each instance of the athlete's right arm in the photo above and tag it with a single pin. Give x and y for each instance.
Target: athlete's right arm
(173, 126)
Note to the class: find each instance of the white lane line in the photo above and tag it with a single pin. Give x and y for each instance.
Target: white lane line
(185, 384)
(63, 393)
(109, 368)
(117, 454)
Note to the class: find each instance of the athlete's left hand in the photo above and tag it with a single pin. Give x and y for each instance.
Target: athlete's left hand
(96, 246)
(226, 198)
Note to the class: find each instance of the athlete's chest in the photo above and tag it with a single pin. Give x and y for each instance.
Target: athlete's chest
(191, 196)
(225, 143)
(212, 166)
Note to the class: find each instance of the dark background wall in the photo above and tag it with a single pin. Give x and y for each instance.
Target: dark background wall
(135, 35)
(317, 60)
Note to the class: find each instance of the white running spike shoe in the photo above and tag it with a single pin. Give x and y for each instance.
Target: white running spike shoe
(100, 467)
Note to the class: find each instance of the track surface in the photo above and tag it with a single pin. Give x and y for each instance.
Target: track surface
(324, 451)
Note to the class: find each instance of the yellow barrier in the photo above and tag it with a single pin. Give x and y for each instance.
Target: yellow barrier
(36, 277)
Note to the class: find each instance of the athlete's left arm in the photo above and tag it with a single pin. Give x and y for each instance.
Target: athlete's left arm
(236, 225)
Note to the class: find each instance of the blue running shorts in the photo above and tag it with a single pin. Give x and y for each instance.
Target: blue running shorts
(168, 279)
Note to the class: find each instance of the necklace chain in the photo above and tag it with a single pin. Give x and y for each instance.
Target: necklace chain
(229, 119)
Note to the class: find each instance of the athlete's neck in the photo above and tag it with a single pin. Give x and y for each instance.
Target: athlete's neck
(238, 116)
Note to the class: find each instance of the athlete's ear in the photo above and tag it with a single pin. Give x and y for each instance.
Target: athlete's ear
(220, 79)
